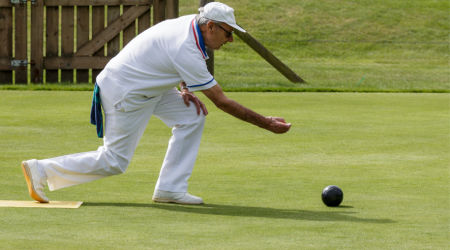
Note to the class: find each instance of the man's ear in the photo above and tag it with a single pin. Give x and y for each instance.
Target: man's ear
(210, 25)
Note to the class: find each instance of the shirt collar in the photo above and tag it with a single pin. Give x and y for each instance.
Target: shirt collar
(199, 39)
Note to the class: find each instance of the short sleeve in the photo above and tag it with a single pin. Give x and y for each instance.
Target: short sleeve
(192, 69)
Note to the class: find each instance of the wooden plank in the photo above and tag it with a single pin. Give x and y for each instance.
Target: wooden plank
(36, 204)
(37, 41)
(144, 21)
(159, 11)
(6, 3)
(21, 42)
(269, 57)
(6, 43)
(172, 9)
(51, 43)
(82, 38)
(80, 62)
(129, 32)
(98, 24)
(95, 2)
(5, 63)
(113, 47)
(111, 31)
(67, 25)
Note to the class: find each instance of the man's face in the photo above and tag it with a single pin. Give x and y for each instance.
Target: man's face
(218, 35)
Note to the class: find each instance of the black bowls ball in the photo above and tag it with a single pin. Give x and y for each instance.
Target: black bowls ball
(332, 196)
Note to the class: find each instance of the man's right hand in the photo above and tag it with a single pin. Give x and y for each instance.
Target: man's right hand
(278, 125)
(189, 96)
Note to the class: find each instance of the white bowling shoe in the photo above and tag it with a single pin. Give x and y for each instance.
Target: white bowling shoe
(174, 197)
(35, 182)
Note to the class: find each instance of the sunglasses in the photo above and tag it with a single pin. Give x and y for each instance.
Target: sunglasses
(228, 33)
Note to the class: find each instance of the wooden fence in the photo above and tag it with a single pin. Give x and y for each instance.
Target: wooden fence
(70, 36)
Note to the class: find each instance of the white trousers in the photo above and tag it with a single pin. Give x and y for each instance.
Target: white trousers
(125, 124)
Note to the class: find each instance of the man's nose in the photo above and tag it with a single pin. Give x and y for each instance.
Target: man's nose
(230, 39)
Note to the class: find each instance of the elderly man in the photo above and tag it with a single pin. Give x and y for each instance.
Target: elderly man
(140, 82)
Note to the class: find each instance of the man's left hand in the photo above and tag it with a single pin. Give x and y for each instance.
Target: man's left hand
(189, 96)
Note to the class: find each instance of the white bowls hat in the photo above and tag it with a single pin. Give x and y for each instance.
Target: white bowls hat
(222, 13)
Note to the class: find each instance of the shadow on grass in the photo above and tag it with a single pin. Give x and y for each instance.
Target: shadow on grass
(261, 212)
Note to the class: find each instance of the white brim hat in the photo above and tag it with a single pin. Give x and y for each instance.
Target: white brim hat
(220, 12)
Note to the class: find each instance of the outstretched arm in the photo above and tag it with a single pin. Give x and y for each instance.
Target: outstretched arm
(276, 125)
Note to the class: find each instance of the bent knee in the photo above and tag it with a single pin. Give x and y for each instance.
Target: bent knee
(117, 164)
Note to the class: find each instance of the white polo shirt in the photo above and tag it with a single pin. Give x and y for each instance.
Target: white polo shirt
(157, 60)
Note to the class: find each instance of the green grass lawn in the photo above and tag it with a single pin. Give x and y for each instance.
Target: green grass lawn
(388, 152)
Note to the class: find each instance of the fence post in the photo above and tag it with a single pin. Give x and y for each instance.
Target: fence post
(159, 11)
(6, 43)
(98, 24)
(144, 21)
(172, 9)
(129, 32)
(21, 42)
(210, 52)
(67, 28)
(37, 42)
(113, 47)
(82, 38)
(51, 45)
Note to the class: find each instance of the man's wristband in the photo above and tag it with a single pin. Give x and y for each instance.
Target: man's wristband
(183, 87)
